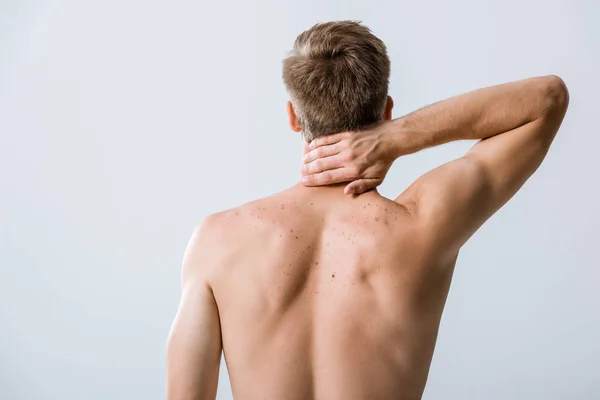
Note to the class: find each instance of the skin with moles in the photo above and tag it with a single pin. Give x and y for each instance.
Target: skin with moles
(314, 293)
(315, 301)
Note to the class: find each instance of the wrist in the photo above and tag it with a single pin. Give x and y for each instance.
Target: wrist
(393, 137)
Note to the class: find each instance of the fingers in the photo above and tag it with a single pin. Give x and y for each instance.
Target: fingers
(329, 177)
(321, 164)
(329, 139)
(321, 152)
(361, 185)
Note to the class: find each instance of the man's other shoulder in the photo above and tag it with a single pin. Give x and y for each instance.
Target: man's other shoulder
(240, 218)
(216, 236)
(216, 225)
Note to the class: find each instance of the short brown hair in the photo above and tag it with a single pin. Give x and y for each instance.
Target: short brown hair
(337, 76)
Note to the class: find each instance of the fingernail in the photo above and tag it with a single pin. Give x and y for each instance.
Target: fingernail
(304, 179)
(305, 168)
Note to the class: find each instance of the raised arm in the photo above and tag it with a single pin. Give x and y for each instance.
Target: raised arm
(194, 345)
(516, 121)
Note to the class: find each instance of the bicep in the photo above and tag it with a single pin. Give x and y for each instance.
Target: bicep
(194, 345)
(508, 160)
(455, 199)
(449, 203)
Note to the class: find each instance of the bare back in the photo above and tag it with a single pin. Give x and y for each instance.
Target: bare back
(314, 294)
(325, 296)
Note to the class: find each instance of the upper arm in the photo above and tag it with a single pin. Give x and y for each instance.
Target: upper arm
(455, 199)
(194, 345)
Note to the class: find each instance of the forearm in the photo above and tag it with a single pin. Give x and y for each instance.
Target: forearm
(475, 115)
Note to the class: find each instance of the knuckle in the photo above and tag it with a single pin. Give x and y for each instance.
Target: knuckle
(354, 171)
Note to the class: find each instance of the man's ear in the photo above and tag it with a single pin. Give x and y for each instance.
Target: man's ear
(387, 111)
(292, 117)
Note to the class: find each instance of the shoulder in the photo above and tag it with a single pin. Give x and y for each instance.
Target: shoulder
(207, 243)
(234, 228)
(214, 228)
(225, 227)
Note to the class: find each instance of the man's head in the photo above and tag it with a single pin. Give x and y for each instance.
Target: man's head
(337, 76)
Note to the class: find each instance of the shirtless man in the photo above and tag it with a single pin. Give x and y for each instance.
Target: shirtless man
(328, 290)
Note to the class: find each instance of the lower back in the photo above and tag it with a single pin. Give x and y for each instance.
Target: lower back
(324, 296)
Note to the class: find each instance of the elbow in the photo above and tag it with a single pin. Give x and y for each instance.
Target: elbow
(556, 96)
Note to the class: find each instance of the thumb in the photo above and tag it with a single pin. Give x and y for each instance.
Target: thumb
(360, 186)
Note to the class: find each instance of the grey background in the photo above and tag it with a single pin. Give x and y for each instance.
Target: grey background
(124, 123)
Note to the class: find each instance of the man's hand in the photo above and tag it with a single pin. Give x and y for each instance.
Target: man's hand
(363, 157)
